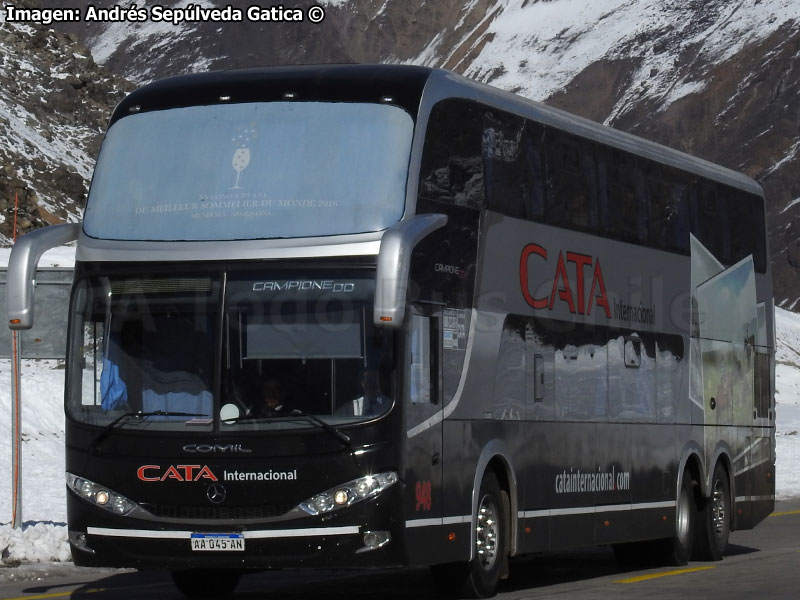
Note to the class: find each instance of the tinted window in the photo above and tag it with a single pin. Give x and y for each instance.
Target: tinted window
(504, 151)
(709, 218)
(526, 170)
(623, 198)
(571, 182)
(668, 211)
(452, 162)
(746, 224)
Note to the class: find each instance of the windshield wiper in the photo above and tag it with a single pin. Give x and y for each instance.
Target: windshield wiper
(339, 435)
(103, 434)
(342, 437)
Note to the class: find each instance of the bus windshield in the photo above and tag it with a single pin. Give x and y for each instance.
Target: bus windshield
(148, 349)
(251, 171)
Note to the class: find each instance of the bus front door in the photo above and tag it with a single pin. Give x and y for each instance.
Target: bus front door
(423, 430)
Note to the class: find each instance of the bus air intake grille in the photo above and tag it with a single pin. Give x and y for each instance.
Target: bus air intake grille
(212, 513)
(160, 286)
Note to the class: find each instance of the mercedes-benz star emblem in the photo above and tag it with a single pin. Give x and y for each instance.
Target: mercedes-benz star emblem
(216, 493)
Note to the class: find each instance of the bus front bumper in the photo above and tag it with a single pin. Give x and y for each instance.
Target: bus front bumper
(334, 546)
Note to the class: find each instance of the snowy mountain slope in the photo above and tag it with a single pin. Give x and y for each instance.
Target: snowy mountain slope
(537, 48)
(54, 104)
(531, 47)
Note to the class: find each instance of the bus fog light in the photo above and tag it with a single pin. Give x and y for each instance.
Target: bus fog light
(101, 497)
(375, 539)
(78, 539)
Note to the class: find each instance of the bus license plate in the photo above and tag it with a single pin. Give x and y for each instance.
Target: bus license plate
(218, 542)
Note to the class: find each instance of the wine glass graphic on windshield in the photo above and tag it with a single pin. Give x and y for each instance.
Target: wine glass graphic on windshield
(241, 157)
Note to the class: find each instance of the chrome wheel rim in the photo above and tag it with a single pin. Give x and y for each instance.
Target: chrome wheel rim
(487, 533)
(719, 509)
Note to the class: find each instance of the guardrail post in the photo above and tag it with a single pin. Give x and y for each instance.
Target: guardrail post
(16, 433)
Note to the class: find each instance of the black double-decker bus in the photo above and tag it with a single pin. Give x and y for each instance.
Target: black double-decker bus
(379, 316)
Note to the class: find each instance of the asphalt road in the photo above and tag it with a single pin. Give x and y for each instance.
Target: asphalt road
(762, 563)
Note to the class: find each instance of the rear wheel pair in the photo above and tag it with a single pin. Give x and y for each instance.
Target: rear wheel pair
(702, 527)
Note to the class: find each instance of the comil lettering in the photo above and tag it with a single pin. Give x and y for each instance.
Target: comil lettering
(561, 291)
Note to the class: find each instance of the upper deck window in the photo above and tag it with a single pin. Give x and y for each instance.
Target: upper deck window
(251, 171)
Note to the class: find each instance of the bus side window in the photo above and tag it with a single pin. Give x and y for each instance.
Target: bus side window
(420, 390)
(452, 162)
(92, 357)
(746, 229)
(534, 186)
(709, 212)
(571, 182)
(503, 166)
(668, 212)
(623, 202)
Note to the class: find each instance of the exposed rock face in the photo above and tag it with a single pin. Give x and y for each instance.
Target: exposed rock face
(54, 105)
(715, 78)
(748, 119)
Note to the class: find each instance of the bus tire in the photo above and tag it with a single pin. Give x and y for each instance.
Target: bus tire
(671, 551)
(478, 577)
(714, 523)
(678, 549)
(206, 583)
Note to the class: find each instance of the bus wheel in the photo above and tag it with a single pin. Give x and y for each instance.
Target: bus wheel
(679, 548)
(478, 578)
(714, 524)
(206, 583)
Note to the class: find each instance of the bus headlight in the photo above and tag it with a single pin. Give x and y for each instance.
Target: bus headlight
(349, 493)
(100, 495)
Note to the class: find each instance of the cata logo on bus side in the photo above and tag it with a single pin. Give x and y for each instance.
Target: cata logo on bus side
(561, 290)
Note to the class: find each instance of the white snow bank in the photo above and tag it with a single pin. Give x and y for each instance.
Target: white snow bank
(35, 542)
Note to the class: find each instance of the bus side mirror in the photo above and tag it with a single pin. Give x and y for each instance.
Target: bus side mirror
(394, 262)
(25, 255)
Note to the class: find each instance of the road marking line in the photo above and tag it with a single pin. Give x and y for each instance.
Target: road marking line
(783, 514)
(59, 594)
(666, 574)
(86, 591)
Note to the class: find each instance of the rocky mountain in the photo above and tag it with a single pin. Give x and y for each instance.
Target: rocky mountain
(716, 78)
(54, 104)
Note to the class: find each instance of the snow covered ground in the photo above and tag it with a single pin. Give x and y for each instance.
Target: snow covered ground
(44, 536)
(787, 404)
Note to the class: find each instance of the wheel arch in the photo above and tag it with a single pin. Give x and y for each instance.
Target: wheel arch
(692, 461)
(495, 458)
